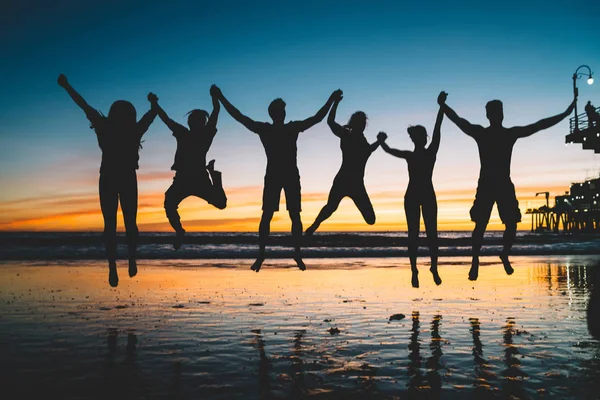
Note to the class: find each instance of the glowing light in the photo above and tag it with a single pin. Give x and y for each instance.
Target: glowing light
(590, 80)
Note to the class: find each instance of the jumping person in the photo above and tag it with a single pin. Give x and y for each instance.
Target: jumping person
(119, 137)
(420, 195)
(279, 140)
(191, 171)
(495, 145)
(349, 180)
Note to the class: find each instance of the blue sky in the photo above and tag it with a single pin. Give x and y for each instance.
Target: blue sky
(390, 59)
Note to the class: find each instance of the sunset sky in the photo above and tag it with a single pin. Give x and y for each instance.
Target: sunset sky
(390, 59)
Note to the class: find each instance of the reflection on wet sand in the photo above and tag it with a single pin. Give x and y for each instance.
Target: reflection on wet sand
(215, 333)
(264, 365)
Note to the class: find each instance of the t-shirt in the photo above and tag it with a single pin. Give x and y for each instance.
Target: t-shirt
(356, 151)
(280, 144)
(495, 152)
(120, 146)
(192, 148)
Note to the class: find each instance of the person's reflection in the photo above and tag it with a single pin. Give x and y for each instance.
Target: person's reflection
(414, 356)
(298, 384)
(264, 365)
(593, 309)
(482, 374)
(433, 362)
(513, 374)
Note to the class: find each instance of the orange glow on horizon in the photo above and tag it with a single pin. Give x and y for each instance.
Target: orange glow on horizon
(82, 212)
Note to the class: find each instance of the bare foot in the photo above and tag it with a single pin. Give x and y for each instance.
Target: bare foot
(436, 275)
(300, 263)
(132, 267)
(113, 278)
(415, 278)
(178, 239)
(211, 165)
(507, 267)
(474, 271)
(257, 264)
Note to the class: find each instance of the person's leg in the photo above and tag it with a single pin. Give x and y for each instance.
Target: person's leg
(128, 193)
(109, 201)
(430, 219)
(363, 203)
(173, 197)
(297, 238)
(270, 200)
(480, 214)
(217, 195)
(294, 207)
(263, 235)
(412, 209)
(335, 197)
(508, 208)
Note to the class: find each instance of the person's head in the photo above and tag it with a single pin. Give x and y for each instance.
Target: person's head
(494, 112)
(277, 110)
(418, 134)
(197, 119)
(122, 113)
(357, 122)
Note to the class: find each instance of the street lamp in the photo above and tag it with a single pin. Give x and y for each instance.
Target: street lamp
(576, 76)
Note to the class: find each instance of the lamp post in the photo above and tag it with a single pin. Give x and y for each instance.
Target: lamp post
(576, 76)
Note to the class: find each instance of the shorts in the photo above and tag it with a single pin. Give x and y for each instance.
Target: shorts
(272, 193)
(501, 193)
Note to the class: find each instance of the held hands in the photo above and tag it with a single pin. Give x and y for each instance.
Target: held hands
(381, 137)
(152, 98)
(215, 91)
(62, 80)
(337, 95)
(441, 100)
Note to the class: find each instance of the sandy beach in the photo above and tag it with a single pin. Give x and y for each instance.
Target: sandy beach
(215, 329)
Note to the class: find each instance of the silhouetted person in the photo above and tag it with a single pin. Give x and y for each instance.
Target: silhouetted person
(420, 194)
(119, 137)
(495, 145)
(349, 180)
(279, 140)
(192, 172)
(592, 115)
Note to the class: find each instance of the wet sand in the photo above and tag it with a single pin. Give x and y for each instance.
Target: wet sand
(215, 329)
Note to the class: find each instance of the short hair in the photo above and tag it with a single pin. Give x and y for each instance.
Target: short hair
(417, 132)
(277, 104)
(493, 104)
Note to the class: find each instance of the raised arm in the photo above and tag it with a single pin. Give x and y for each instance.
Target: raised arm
(214, 116)
(90, 112)
(172, 125)
(464, 125)
(524, 131)
(318, 117)
(381, 137)
(144, 122)
(435, 140)
(236, 114)
(336, 128)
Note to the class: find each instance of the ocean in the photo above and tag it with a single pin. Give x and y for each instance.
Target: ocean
(232, 245)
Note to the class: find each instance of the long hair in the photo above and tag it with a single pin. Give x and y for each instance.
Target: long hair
(196, 114)
(359, 117)
(122, 117)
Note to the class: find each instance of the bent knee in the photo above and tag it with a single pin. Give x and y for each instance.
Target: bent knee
(221, 205)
